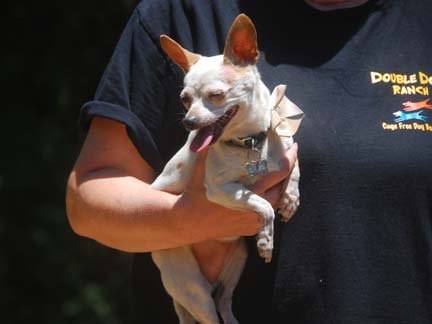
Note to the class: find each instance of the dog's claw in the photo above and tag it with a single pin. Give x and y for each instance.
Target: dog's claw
(266, 255)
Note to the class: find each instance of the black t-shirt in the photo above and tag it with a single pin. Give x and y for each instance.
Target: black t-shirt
(359, 249)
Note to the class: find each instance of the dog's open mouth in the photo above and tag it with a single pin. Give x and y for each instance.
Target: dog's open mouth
(210, 134)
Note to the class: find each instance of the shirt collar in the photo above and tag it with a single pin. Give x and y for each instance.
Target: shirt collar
(336, 6)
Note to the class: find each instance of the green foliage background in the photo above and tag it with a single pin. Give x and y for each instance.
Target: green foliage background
(52, 56)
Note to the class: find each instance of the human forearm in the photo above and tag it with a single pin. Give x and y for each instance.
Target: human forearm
(109, 198)
(123, 212)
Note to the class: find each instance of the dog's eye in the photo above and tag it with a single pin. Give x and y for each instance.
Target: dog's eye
(216, 97)
(186, 99)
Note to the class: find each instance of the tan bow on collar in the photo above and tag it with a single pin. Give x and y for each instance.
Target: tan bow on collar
(286, 116)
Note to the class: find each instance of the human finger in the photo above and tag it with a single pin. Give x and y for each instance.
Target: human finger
(287, 164)
(274, 194)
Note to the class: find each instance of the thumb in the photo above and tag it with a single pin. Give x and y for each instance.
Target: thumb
(286, 164)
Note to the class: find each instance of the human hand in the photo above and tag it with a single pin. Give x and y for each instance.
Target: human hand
(210, 220)
(271, 186)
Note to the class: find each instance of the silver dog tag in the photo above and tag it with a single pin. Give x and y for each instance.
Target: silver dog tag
(255, 168)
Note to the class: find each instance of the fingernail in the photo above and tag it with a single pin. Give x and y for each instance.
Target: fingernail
(295, 147)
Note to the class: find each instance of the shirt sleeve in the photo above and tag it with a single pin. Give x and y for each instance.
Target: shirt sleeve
(132, 90)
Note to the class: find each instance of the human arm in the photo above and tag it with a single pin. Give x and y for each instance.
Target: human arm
(109, 199)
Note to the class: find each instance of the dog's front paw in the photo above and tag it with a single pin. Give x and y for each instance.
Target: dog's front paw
(265, 234)
(288, 205)
(265, 247)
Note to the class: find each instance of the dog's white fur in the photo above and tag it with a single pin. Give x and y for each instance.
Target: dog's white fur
(238, 80)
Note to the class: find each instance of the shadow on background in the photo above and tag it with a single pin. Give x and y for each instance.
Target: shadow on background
(53, 54)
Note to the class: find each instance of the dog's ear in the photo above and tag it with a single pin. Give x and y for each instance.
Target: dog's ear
(178, 54)
(241, 46)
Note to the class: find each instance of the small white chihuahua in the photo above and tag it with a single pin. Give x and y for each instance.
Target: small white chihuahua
(248, 131)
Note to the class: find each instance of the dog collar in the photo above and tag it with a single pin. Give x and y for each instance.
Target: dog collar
(255, 165)
(251, 142)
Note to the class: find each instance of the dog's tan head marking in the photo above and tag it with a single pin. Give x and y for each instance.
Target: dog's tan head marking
(241, 47)
(182, 57)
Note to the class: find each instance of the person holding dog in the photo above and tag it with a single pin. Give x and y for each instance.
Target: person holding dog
(359, 248)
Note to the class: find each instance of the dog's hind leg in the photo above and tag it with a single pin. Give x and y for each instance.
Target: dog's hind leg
(184, 282)
(184, 316)
(228, 280)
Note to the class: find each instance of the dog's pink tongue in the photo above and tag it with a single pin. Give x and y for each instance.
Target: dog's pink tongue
(202, 139)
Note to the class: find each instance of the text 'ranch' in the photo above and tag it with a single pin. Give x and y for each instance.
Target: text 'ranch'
(404, 84)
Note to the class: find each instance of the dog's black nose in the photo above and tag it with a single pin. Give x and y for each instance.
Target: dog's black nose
(190, 123)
